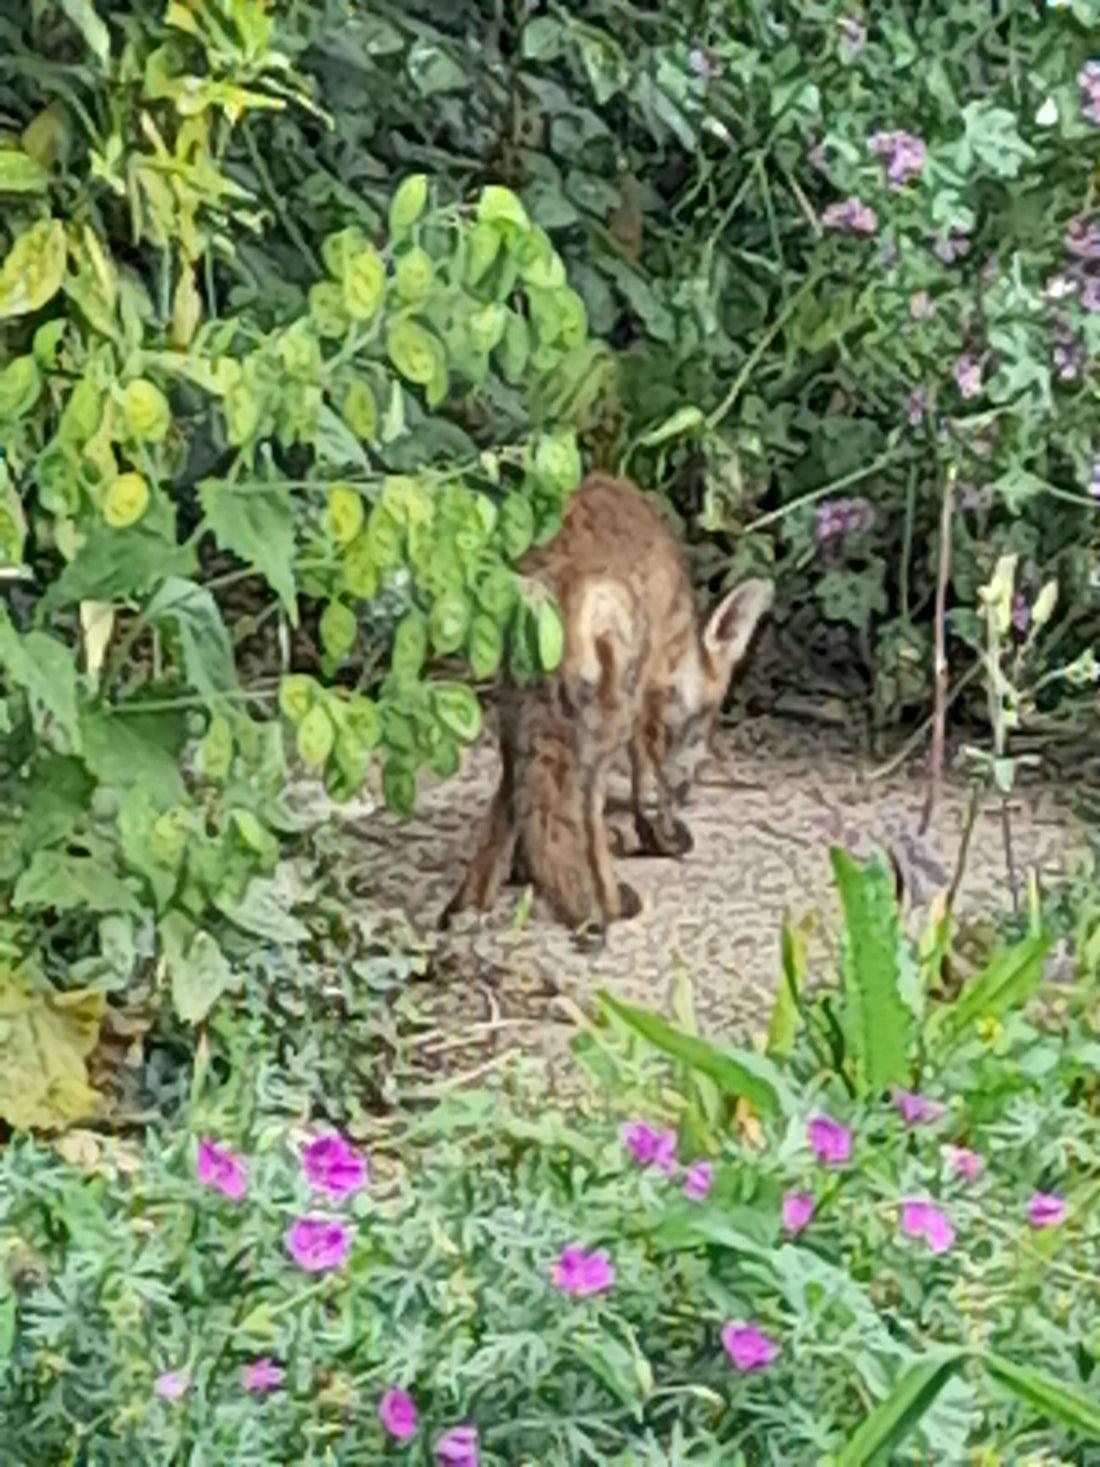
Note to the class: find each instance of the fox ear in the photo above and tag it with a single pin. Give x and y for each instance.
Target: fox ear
(729, 630)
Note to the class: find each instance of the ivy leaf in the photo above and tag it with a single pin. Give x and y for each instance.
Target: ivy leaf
(65, 883)
(207, 648)
(259, 528)
(198, 970)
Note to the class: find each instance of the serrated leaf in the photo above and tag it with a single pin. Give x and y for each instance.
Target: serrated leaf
(204, 639)
(735, 1074)
(259, 529)
(877, 1022)
(44, 668)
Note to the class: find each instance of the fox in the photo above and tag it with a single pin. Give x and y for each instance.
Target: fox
(640, 674)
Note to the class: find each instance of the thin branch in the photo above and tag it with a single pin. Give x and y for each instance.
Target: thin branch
(939, 723)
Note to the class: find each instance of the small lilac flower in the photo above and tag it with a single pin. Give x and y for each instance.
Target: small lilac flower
(968, 375)
(797, 1210)
(963, 1162)
(698, 1180)
(924, 1220)
(173, 1385)
(262, 1375)
(397, 1413)
(222, 1169)
(916, 405)
(1082, 239)
(852, 36)
(903, 153)
(831, 1141)
(1068, 358)
(580, 1274)
(458, 1447)
(319, 1243)
(949, 247)
(921, 306)
(1021, 613)
(1088, 87)
(851, 216)
(916, 1110)
(1090, 294)
(748, 1347)
(332, 1165)
(1046, 1210)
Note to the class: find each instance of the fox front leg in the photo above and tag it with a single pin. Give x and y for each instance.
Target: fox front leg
(666, 836)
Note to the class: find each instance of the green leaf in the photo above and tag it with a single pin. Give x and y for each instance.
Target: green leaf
(21, 174)
(45, 1039)
(683, 420)
(407, 203)
(66, 883)
(45, 670)
(206, 645)
(892, 1419)
(735, 1073)
(877, 1022)
(457, 708)
(259, 529)
(115, 565)
(91, 27)
(785, 1015)
(1010, 978)
(1064, 1404)
(551, 635)
(124, 749)
(263, 911)
(198, 970)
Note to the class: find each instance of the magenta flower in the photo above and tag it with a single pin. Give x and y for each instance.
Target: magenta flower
(916, 1110)
(831, 1142)
(698, 1180)
(968, 375)
(172, 1385)
(458, 1447)
(798, 1209)
(319, 1243)
(221, 1169)
(332, 1165)
(579, 1273)
(397, 1413)
(1046, 1210)
(963, 1162)
(924, 1220)
(650, 1147)
(748, 1347)
(262, 1375)
(903, 153)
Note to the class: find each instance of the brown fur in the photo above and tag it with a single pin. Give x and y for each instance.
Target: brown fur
(638, 674)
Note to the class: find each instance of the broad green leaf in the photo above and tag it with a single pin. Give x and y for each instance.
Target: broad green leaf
(204, 640)
(198, 970)
(129, 747)
(45, 670)
(45, 1039)
(259, 528)
(66, 883)
(91, 27)
(263, 911)
(877, 1021)
(1006, 983)
(115, 565)
(892, 1419)
(21, 174)
(33, 269)
(1064, 1404)
(456, 707)
(735, 1074)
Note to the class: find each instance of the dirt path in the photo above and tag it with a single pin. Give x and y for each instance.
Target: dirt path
(779, 795)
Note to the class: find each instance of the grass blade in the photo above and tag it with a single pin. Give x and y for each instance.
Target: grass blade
(892, 1419)
(1059, 1403)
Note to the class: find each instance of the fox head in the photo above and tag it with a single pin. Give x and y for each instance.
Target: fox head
(698, 685)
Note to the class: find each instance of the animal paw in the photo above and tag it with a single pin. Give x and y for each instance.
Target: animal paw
(673, 841)
(590, 937)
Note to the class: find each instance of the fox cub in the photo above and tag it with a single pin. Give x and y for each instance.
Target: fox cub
(638, 673)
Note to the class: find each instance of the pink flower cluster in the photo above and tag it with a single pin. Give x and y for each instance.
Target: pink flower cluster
(658, 1149)
(850, 216)
(580, 1274)
(1088, 88)
(839, 517)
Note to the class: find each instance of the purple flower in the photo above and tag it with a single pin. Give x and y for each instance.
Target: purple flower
(916, 1110)
(262, 1375)
(332, 1165)
(221, 1169)
(1021, 613)
(172, 1385)
(916, 405)
(319, 1243)
(458, 1447)
(1069, 358)
(748, 1347)
(397, 1413)
(852, 36)
(831, 1142)
(968, 375)
(698, 1180)
(798, 1209)
(1046, 1210)
(1090, 294)
(852, 216)
(1082, 239)
(580, 1274)
(650, 1147)
(903, 153)
(836, 517)
(1088, 87)
(924, 1220)
(921, 306)
(963, 1162)
(949, 247)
